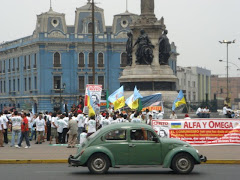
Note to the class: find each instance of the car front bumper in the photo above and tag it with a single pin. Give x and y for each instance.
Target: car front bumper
(203, 158)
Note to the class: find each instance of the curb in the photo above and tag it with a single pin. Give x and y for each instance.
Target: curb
(35, 161)
(222, 162)
(57, 161)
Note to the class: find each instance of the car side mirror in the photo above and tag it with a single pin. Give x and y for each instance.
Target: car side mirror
(155, 139)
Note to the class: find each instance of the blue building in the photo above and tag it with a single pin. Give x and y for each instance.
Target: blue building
(54, 64)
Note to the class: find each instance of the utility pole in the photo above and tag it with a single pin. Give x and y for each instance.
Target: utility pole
(93, 41)
(227, 43)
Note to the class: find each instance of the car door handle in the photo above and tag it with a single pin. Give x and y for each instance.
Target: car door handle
(131, 145)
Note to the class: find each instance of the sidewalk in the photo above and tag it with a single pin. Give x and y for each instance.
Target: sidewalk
(46, 152)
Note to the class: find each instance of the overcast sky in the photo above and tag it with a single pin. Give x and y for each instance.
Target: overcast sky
(195, 26)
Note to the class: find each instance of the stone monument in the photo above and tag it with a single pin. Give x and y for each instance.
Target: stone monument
(148, 67)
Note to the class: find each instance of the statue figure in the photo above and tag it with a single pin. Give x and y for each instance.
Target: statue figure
(144, 51)
(164, 49)
(129, 47)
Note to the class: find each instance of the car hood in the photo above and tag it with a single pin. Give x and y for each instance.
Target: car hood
(173, 141)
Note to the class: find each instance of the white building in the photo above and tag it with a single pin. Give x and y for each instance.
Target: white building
(195, 83)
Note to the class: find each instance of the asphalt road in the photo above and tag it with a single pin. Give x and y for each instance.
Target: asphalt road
(62, 172)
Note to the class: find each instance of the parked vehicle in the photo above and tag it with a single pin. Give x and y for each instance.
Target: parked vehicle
(134, 144)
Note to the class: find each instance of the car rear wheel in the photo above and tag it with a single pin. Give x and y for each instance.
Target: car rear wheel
(182, 163)
(98, 164)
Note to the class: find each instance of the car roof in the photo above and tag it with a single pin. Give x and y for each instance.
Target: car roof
(126, 126)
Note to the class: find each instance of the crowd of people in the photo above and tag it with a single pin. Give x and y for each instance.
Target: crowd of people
(63, 128)
(203, 112)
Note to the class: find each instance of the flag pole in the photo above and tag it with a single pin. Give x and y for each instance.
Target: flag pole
(187, 108)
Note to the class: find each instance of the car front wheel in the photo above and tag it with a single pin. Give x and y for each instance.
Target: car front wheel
(182, 163)
(98, 164)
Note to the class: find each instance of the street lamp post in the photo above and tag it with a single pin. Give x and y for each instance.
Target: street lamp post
(62, 87)
(227, 43)
(93, 39)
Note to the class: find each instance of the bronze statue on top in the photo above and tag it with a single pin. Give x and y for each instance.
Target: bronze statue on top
(144, 51)
(129, 47)
(164, 49)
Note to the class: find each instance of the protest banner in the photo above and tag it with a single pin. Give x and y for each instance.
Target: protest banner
(95, 91)
(200, 131)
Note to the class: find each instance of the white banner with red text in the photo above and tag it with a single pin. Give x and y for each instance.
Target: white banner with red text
(200, 131)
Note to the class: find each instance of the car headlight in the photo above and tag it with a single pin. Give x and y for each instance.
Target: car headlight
(197, 151)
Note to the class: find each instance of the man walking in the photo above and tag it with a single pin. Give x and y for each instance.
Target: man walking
(1, 132)
(24, 130)
(73, 130)
(40, 127)
(16, 128)
(5, 126)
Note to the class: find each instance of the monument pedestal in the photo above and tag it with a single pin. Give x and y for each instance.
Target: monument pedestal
(150, 80)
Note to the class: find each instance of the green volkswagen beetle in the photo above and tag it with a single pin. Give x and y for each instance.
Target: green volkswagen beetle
(134, 144)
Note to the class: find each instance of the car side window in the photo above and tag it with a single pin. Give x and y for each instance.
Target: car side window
(138, 135)
(141, 135)
(116, 135)
(150, 135)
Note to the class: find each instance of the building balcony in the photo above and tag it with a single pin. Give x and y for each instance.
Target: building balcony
(12, 93)
(57, 91)
(33, 90)
(57, 66)
(81, 65)
(101, 66)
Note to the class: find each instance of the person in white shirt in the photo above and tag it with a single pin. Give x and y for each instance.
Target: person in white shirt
(149, 121)
(105, 122)
(33, 130)
(40, 127)
(5, 125)
(54, 133)
(173, 115)
(81, 123)
(92, 126)
(120, 118)
(136, 119)
(65, 129)
(160, 115)
(225, 110)
(60, 124)
(125, 118)
(147, 114)
(110, 117)
(83, 137)
(141, 117)
(115, 120)
(16, 128)
(199, 112)
(206, 112)
(132, 115)
(154, 114)
(1, 130)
